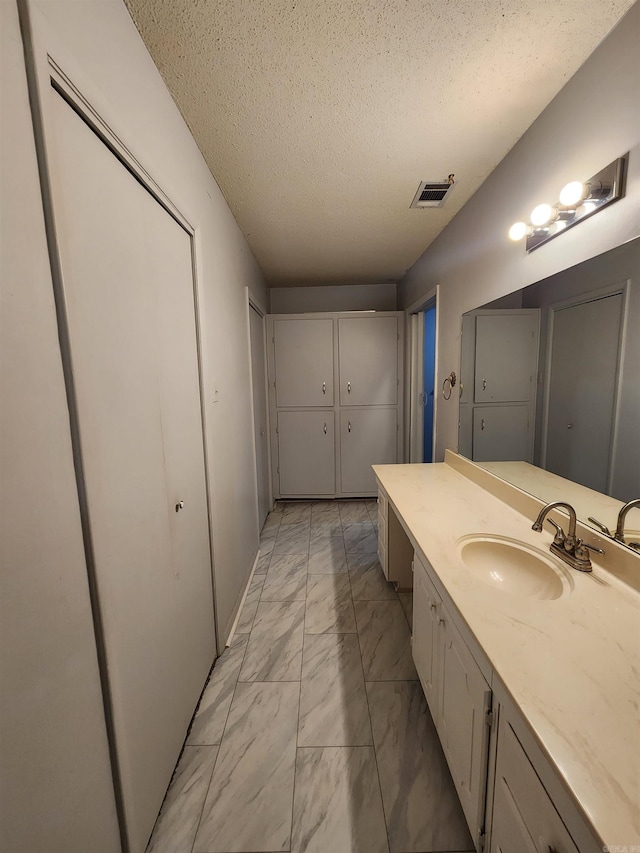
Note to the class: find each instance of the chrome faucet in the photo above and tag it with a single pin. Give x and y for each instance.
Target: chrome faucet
(571, 550)
(619, 534)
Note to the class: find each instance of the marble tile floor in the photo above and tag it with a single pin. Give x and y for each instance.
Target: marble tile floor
(313, 734)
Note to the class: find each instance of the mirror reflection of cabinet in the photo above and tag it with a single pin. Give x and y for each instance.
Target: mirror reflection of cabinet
(499, 368)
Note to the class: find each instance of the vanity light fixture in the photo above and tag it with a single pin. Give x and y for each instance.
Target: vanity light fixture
(577, 200)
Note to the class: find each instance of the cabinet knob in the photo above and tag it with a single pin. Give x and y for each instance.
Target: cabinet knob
(179, 506)
(325, 429)
(348, 387)
(324, 387)
(441, 620)
(349, 426)
(432, 606)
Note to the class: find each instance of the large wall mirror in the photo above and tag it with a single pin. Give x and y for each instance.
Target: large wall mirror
(550, 388)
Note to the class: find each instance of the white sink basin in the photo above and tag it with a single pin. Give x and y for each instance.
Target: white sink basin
(515, 568)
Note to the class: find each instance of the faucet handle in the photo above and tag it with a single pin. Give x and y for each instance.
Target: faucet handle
(583, 548)
(601, 526)
(559, 538)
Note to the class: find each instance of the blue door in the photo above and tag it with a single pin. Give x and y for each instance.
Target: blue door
(429, 380)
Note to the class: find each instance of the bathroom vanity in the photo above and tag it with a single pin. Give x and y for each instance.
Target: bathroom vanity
(530, 668)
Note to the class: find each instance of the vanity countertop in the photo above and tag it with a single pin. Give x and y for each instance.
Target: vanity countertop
(572, 665)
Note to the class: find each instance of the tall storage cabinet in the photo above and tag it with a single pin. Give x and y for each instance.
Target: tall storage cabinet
(335, 393)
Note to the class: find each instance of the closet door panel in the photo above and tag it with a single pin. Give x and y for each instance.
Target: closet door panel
(367, 437)
(306, 453)
(303, 354)
(127, 278)
(506, 357)
(368, 359)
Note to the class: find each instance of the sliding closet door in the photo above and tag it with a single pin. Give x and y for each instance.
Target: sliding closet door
(128, 283)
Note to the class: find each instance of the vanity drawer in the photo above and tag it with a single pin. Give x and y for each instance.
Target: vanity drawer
(522, 801)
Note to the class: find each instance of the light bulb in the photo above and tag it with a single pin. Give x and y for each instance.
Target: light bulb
(572, 193)
(542, 215)
(518, 230)
(587, 207)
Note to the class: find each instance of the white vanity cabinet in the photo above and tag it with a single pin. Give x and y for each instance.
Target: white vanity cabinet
(458, 695)
(425, 640)
(395, 551)
(524, 819)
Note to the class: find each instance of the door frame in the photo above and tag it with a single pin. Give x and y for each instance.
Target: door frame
(45, 59)
(621, 288)
(414, 314)
(253, 303)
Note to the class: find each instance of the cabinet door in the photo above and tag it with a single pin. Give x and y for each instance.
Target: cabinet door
(426, 603)
(306, 458)
(368, 358)
(522, 808)
(303, 355)
(508, 832)
(506, 357)
(367, 437)
(502, 432)
(465, 698)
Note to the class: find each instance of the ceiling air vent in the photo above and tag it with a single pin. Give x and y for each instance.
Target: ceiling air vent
(433, 193)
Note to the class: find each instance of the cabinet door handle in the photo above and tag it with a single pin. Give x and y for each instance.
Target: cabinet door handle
(484, 384)
(482, 424)
(325, 429)
(432, 606)
(179, 506)
(349, 426)
(441, 620)
(348, 387)
(324, 387)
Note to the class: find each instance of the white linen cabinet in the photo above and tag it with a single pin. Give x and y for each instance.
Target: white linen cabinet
(335, 394)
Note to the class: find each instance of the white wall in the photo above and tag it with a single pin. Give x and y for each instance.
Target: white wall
(351, 297)
(594, 119)
(119, 74)
(56, 792)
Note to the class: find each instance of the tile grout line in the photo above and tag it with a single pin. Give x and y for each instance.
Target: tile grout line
(373, 740)
(204, 802)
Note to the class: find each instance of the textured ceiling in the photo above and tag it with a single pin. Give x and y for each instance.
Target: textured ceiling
(318, 118)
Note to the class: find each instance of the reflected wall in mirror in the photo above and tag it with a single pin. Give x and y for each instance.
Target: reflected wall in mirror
(550, 387)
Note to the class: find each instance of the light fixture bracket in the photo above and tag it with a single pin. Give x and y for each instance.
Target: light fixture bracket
(609, 185)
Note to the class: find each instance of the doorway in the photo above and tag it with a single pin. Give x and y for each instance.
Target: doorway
(258, 374)
(422, 332)
(429, 355)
